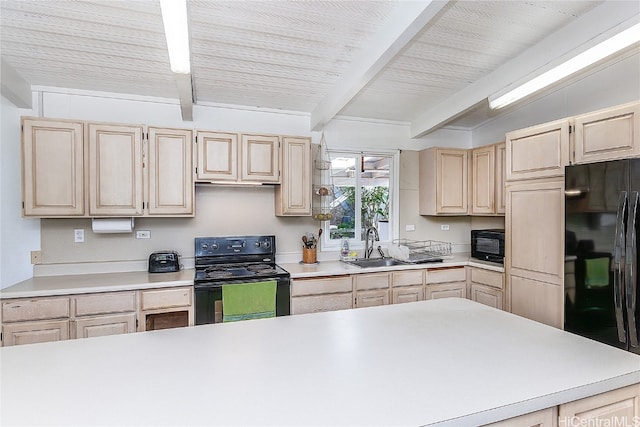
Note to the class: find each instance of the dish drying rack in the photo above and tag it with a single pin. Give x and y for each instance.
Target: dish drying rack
(425, 250)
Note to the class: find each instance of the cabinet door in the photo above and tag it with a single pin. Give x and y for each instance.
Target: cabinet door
(170, 172)
(483, 180)
(443, 181)
(293, 196)
(608, 134)
(536, 300)
(619, 407)
(538, 152)
(445, 290)
(372, 298)
(534, 239)
(217, 156)
(115, 170)
(52, 169)
(99, 326)
(501, 178)
(34, 332)
(487, 295)
(407, 294)
(260, 158)
(321, 303)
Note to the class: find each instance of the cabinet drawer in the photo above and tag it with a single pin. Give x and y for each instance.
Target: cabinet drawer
(116, 302)
(320, 303)
(444, 275)
(407, 294)
(165, 298)
(407, 278)
(35, 309)
(446, 290)
(487, 277)
(372, 281)
(328, 285)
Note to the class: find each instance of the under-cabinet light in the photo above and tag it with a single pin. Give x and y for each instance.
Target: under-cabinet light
(176, 30)
(590, 56)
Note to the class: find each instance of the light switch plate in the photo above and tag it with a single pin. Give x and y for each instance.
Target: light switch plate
(444, 227)
(410, 227)
(78, 235)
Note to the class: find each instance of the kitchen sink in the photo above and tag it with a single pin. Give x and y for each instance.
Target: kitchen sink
(375, 262)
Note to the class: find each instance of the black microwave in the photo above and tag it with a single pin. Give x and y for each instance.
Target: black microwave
(488, 245)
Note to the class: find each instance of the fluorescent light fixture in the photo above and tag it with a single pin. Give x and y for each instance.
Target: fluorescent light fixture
(590, 56)
(176, 30)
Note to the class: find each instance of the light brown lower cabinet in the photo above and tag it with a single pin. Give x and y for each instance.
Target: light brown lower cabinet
(446, 282)
(446, 290)
(620, 407)
(544, 418)
(372, 298)
(486, 287)
(34, 332)
(407, 294)
(537, 300)
(35, 320)
(371, 289)
(320, 294)
(98, 326)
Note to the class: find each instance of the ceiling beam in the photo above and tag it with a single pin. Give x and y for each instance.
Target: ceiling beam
(405, 23)
(185, 95)
(14, 87)
(581, 34)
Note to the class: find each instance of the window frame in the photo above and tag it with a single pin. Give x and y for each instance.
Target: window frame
(394, 198)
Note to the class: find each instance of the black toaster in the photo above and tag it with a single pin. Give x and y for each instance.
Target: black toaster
(164, 262)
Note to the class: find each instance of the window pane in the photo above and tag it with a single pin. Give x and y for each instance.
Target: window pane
(374, 195)
(343, 207)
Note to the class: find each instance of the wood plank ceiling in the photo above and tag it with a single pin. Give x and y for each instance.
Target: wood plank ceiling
(284, 54)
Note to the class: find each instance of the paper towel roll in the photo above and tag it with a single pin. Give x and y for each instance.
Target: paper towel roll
(112, 225)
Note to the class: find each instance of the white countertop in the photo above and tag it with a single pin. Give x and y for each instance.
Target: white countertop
(336, 268)
(90, 283)
(447, 362)
(109, 282)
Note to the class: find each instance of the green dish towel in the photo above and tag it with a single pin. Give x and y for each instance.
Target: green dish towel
(243, 301)
(597, 272)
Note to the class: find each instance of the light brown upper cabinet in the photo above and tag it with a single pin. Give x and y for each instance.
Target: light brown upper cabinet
(538, 152)
(217, 156)
(170, 172)
(260, 156)
(75, 168)
(609, 134)
(488, 177)
(293, 195)
(501, 178)
(444, 181)
(53, 168)
(238, 158)
(115, 170)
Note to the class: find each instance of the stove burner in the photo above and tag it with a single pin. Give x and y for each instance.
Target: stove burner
(261, 268)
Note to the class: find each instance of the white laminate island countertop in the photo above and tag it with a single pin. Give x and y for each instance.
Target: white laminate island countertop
(91, 283)
(448, 362)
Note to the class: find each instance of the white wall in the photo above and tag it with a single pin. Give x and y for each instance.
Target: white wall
(18, 236)
(614, 85)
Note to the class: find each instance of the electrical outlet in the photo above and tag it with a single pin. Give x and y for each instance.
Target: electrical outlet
(444, 227)
(143, 234)
(36, 257)
(78, 235)
(410, 227)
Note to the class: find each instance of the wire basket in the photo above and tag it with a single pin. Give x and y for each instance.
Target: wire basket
(423, 250)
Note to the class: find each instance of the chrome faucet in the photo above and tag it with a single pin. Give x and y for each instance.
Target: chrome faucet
(371, 235)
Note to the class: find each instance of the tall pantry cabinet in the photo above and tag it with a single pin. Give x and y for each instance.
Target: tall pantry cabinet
(534, 220)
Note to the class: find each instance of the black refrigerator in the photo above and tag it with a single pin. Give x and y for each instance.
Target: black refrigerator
(601, 252)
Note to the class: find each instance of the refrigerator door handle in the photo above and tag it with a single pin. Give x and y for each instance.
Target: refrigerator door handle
(630, 276)
(618, 269)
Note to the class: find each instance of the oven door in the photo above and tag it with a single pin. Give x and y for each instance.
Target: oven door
(208, 298)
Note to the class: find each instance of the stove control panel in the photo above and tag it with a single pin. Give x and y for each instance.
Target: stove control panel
(235, 245)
